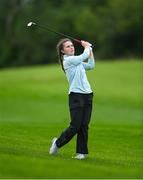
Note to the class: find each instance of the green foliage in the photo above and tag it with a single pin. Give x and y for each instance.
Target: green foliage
(114, 26)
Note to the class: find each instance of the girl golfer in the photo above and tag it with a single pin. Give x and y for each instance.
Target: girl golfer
(80, 96)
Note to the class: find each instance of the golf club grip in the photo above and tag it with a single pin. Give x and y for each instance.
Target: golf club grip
(79, 41)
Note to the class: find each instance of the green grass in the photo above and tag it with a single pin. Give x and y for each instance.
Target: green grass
(34, 109)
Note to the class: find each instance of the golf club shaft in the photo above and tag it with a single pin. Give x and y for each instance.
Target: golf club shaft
(59, 33)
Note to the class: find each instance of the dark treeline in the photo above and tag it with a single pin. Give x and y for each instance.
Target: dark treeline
(114, 26)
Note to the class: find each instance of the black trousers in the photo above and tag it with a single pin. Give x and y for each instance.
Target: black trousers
(80, 106)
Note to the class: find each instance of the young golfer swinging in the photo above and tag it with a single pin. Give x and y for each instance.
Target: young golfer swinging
(80, 96)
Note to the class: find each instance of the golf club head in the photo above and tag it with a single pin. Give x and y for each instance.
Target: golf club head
(31, 24)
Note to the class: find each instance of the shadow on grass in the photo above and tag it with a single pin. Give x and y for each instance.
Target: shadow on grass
(23, 152)
(96, 161)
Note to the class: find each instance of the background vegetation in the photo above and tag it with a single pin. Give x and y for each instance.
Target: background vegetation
(114, 26)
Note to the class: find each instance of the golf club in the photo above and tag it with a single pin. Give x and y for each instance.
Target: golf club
(53, 31)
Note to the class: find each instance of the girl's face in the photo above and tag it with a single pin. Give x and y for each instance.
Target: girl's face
(68, 48)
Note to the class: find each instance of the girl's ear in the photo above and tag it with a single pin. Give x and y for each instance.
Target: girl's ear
(62, 51)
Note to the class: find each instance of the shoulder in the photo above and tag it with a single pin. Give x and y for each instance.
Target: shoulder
(68, 58)
(67, 62)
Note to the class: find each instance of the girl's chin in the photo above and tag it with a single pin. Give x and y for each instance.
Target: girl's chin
(71, 54)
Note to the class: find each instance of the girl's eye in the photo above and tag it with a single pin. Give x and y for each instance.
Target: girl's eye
(70, 46)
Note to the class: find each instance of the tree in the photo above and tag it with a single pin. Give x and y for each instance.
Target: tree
(114, 26)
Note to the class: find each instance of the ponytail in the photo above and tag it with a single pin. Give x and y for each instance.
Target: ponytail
(59, 51)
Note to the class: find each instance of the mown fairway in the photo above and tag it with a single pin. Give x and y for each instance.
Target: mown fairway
(33, 109)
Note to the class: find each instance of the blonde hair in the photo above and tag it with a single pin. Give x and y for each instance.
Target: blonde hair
(59, 51)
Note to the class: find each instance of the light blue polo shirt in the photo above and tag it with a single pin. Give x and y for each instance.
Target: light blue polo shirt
(75, 69)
